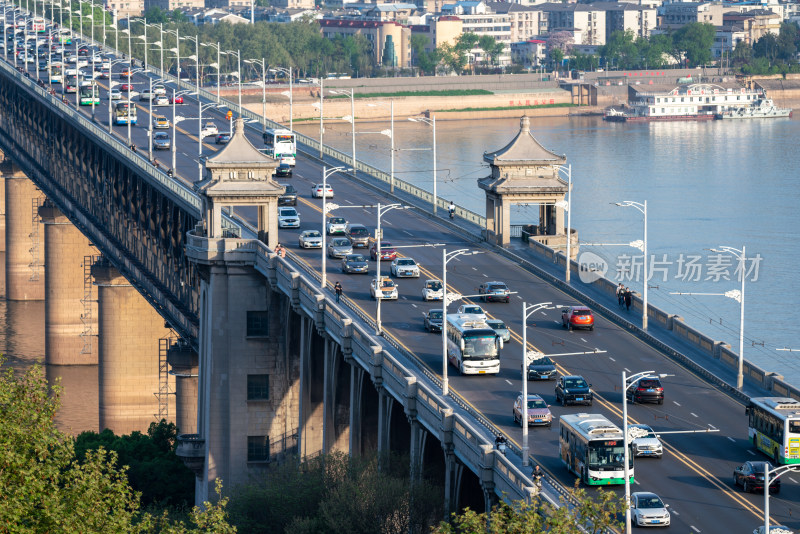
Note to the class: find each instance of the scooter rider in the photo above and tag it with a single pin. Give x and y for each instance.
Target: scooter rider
(452, 209)
(536, 476)
(501, 443)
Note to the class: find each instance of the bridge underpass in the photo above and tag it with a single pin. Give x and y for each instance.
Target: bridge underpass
(152, 284)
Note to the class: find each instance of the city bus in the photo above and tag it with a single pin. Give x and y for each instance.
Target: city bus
(472, 346)
(124, 113)
(89, 94)
(39, 25)
(774, 427)
(281, 144)
(65, 36)
(593, 448)
(71, 84)
(56, 71)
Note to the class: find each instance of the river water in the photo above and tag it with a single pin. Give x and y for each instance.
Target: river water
(707, 184)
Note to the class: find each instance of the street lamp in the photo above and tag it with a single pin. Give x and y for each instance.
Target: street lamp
(325, 208)
(642, 207)
(216, 65)
(738, 296)
(238, 55)
(288, 72)
(263, 64)
(320, 105)
(390, 134)
(568, 207)
(625, 380)
(778, 471)
(350, 118)
(526, 357)
(382, 209)
(432, 122)
(173, 144)
(446, 257)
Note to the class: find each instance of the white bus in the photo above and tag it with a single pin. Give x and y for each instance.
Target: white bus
(56, 73)
(774, 428)
(281, 144)
(593, 448)
(89, 93)
(38, 25)
(472, 346)
(124, 113)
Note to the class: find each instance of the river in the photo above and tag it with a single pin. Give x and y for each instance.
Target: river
(707, 184)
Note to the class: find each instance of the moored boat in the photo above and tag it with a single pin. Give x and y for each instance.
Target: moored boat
(764, 108)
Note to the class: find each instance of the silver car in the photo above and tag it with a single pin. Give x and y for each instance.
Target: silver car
(648, 510)
(310, 239)
(355, 263)
(644, 442)
(404, 267)
(336, 225)
(339, 247)
(500, 329)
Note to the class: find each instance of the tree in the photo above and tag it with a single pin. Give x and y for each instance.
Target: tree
(693, 42)
(425, 60)
(622, 49)
(45, 488)
(452, 58)
(591, 515)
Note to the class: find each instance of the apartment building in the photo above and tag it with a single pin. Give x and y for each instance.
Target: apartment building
(445, 29)
(172, 5)
(525, 20)
(588, 19)
(678, 14)
(756, 23)
(630, 17)
(125, 9)
(725, 40)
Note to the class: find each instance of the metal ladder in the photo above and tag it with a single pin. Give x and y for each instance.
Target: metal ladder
(35, 249)
(89, 302)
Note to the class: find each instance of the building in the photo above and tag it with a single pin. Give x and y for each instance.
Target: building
(525, 20)
(624, 17)
(172, 5)
(381, 34)
(756, 23)
(124, 9)
(678, 14)
(445, 29)
(530, 53)
(476, 17)
(587, 22)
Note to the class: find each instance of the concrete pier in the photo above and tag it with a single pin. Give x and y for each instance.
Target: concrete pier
(24, 237)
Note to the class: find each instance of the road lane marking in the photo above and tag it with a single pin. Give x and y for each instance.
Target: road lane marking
(627, 371)
(414, 305)
(613, 360)
(748, 452)
(693, 527)
(586, 342)
(511, 384)
(790, 478)
(408, 233)
(676, 403)
(730, 438)
(673, 511)
(692, 414)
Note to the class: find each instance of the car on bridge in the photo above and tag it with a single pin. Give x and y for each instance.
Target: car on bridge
(750, 475)
(577, 317)
(222, 138)
(289, 196)
(288, 218)
(432, 320)
(310, 239)
(210, 128)
(145, 95)
(542, 369)
(161, 122)
(404, 268)
(500, 329)
(648, 510)
(115, 94)
(472, 309)
(494, 291)
(644, 442)
(357, 234)
(339, 247)
(126, 87)
(336, 225)
(160, 100)
(432, 290)
(774, 529)
(383, 288)
(534, 412)
(573, 389)
(284, 170)
(159, 89)
(161, 141)
(645, 389)
(176, 100)
(317, 189)
(388, 253)
(354, 263)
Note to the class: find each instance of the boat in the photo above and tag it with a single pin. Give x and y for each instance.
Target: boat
(693, 102)
(764, 108)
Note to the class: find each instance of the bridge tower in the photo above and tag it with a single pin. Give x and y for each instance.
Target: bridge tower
(524, 172)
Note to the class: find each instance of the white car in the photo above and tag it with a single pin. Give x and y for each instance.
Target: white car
(404, 267)
(116, 94)
(160, 100)
(644, 442)
(310, 239)
(647, 510)
(472, 309)
(432, 290)
(385, 289)
(336, 225)
(210, 128)
(288, 218)
(159, 90)
(774, 529)
(145, 94)
(316, 191)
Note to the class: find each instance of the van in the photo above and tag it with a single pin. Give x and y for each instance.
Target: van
(358, 235)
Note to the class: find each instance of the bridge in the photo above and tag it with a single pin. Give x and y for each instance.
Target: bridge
(252, 358)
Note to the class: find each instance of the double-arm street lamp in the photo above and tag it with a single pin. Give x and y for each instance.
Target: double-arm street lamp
(642, 207)
(288, 73)
(216, 65)
(432, 123)
(350, 118)
(238, 55)
(770, 475)
(390, 134)
(175, 95)
(567, 206)
(738, 296)
(325, 209)
(263, 63)
(527, 311)
(382, 209)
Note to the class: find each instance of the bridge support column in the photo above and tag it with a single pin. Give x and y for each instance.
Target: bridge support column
(70, 310)
(311, 391)
(486, 474)
(129, 333)
(24, 234)
(183, 362)
(453, 469)
(335, 430)
(385, 405)
(2, 213)
(356, 411)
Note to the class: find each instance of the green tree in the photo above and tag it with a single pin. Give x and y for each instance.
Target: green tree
(693, 42)
(45, 488)
(452, 57)
(425, 60)
(622, 49)
(591, 515)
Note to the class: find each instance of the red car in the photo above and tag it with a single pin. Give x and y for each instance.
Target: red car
(125, 73)
(126, 87)
(577, 317)
(388, 253)
(178, 100)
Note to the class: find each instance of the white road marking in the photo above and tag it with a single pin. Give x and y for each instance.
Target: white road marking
(350, 202)
(693, 527)
(730, 438)
(627, 371)
(748, 452)
(557, 323)
(520, 298)
(390, 224)
(676, 404)
(672, 511)
(712, 427)
(487, 276)
(635, 481)
(416, 306)
(587, 342)
(404, 298)
(690, 413)
(790, 478)
(613, 360)
(409, 233)
(511, 384)
(475, 269)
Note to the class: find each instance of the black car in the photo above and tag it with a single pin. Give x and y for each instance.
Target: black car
(433, 320)
(289, 197)
(750, 475)
(494, 291)
(355, 263)
(646, 389)
(542, 369)
(284, 170)
(223, 138)
(573, 389)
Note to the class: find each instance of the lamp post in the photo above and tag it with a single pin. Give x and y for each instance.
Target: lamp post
(446, 257)
(325, 208)
(288, 73)
(642, 207)
(196, 40)
(432, 122)
(568, 207)
(238, 55)
(177, 51)
(778, 471)
(216, 65)
(263, 64)
(173, 144)
(382, 209)
(390, 134)
(350, 118)
(150, 122)
(527, 311)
